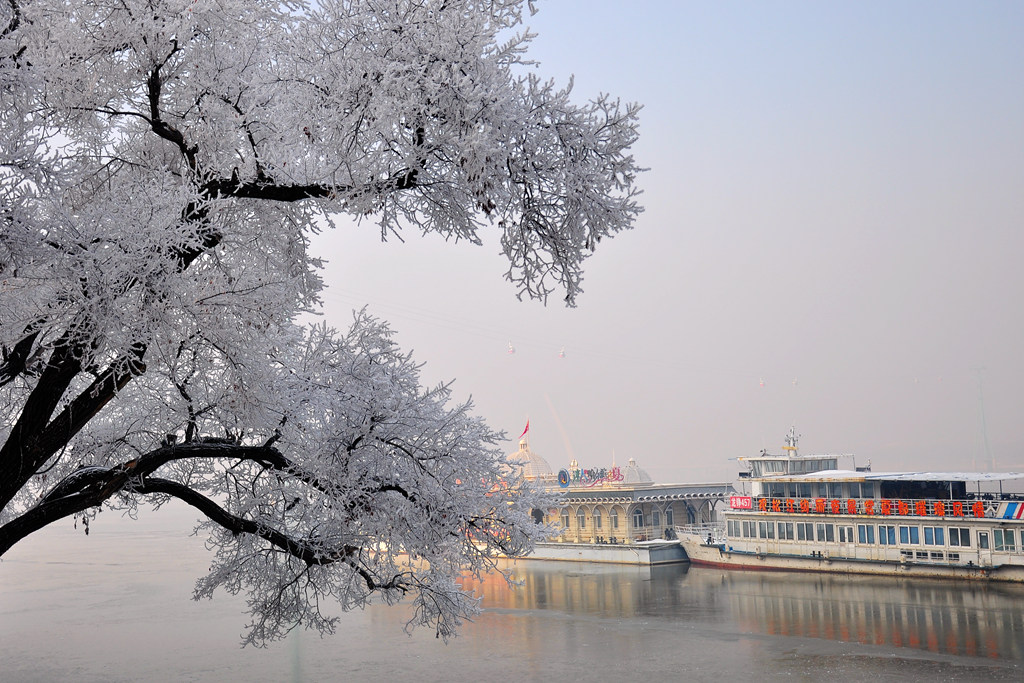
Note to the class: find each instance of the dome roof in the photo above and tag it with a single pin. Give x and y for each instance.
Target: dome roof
(633, 475)
(533, 467)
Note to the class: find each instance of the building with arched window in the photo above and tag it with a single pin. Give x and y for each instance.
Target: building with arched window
(612, 507)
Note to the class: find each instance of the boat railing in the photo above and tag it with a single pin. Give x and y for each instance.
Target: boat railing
(713, 530)
(996, 497)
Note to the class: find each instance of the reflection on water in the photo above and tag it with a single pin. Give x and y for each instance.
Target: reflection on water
(113, 607)
(946, 617)
(956, 618)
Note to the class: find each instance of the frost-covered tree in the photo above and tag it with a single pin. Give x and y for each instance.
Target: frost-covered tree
(163, 164)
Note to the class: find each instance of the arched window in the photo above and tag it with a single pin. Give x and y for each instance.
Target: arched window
(613, 516)
(597, 518)
(656, 518)
(565, 518)
(581, 518)
(669, 519)
(638, 518)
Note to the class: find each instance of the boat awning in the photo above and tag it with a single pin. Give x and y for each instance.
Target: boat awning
(942, 476)
(850, 475)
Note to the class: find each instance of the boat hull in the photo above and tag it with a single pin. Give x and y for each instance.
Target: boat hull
(699, 553)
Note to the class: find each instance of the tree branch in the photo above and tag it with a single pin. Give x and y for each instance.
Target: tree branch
(154, 84)
(83, 489)
(34, 438)
(262, 188)
(15, 21)
(15, 360)
(305, 550)
(19, 455)
(91, 486)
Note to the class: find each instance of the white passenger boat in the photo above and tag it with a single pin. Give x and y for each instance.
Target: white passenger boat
(805, 514)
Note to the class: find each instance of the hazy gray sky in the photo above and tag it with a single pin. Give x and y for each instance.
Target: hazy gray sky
(832, 239)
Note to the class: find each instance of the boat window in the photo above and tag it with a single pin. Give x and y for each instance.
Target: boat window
(785, 531)
(597, 518)
(960, 536)
(804, 490)
(865, 533)
(910, 535)
(565, 519)
(669, 517)
(638, 518)
(805, 531)
(776, 490)
(983, 540)
(1004, 540)
(934, 535)
(826, 532)
(613, 516)
(581, 518)
(886, 534)
(734, 529)
(846, 534)
(766, 529)
(656, 518)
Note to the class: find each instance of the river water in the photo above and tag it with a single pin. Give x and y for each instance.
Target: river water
(114, 606)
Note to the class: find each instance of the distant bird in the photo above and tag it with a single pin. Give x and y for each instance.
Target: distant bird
(511, 349)
(561, 353)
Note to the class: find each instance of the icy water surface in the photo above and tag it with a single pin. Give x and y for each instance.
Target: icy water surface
(115, 606)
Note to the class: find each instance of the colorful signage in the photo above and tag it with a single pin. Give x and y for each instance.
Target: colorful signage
(741, 502)
(855, 506)
(580, 478)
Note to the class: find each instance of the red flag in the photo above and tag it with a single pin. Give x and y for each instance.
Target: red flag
(525, 430)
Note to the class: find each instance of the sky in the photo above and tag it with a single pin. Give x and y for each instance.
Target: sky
(831, 240)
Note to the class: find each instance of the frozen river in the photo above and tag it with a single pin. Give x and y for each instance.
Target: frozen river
(114, 606)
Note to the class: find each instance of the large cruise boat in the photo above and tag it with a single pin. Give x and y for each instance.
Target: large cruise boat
(805, 514)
